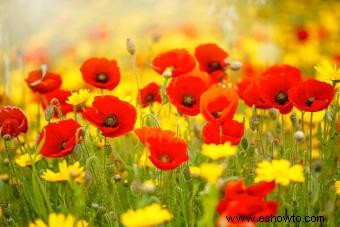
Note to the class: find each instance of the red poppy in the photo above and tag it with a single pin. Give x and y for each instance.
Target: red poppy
(43, 83)
(12, 121)
(247, 201)
(101, 73)
(229, 131)
(275, 83)
(149, 94)
(177, 62)
(166, 151)
(148, 132)
(185, 93)
(112, 116)
(59, 138)
(218, 104)
(252, 96)
(211, 59)
(61, 96)
(311, 95)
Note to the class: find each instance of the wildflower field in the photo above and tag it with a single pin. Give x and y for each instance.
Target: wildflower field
(169, 113)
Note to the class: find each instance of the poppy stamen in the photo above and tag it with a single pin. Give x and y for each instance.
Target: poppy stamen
(214, 65)
(164, 158)
(62, 145)
(101, 78)
(310, 101)
(188, 100)
(149, 98)
(281, 98)
(217, 114)
(110, 121)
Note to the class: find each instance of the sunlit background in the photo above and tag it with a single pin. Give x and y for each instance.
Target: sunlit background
(62, 34)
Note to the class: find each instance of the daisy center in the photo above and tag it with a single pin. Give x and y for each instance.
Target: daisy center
(110, 121)
(217, 114)
(214, 65)
(164, 158)
(281, 98)
(101, 78)
(188, 100)
(310, 101)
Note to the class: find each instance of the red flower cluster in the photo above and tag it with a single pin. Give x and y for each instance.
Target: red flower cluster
(218, 106)
(12, 121)
(166, 151)
(281, 87)
(112, 116)
(247, 201)
(59, 139)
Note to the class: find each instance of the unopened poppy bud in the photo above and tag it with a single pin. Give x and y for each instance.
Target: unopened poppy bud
(126, 182)
(6, 161)
(317, 166)
(299, 136)
(156, 37)
(49, 112)
(130, 46)
(329, 115)
(273, 113)
(117, 177)
(244, 143)
(235, 65)
(255, 122)
(293, 118)
(7, 137)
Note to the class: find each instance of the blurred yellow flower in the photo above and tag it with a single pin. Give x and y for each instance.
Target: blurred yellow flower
(79, 98)
(337, 187)
(280, 171)
(144, 160)
(315, 154)
(327, 71)
(59, 220)
(65, 173)
(151, 215)
(27, 159)
(208, 171)
(218, 151)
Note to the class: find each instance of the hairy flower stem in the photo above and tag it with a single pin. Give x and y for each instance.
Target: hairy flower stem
(282, 135)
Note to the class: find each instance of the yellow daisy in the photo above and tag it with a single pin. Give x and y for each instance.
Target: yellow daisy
(79, 98)
(58, 220)
(218, 151)
(280, 171)
(65, 173)
(151, 215)
(27, 159)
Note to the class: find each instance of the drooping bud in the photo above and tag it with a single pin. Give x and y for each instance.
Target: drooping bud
(130, 46)
(299, 136)
(255, 122)
(235, 65)
(273, 113)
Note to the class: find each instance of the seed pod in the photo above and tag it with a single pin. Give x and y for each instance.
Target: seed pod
(255, 122)
(273, 113)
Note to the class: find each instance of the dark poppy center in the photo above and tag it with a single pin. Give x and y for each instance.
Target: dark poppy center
(281, 98)
(110, 121)
(214, 65)
(62, 145)
(102, 78)
(188, 100)
(217, 114)
(310, 101)
(149, 98)
(164, 158)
